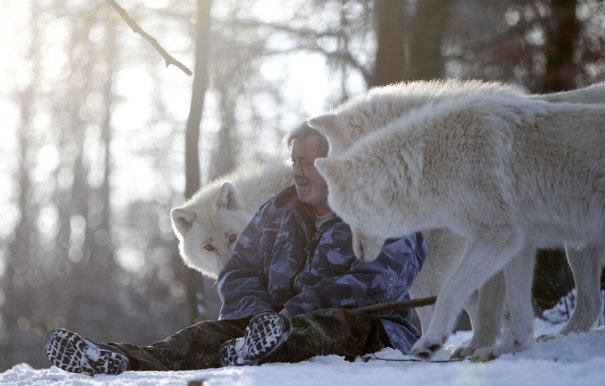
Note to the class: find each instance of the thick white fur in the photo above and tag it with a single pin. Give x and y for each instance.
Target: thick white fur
(445, 247)
(369, 112)
(219, 212)
(504, 172)
(592, 94)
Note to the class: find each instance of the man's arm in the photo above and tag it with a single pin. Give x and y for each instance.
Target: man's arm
(242, 283)
(335, 278)
(266, 247)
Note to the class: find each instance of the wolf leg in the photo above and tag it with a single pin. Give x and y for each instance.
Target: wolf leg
(485, 315)
(479, 262)
(518, 275)
(586, 262)
(445, 250)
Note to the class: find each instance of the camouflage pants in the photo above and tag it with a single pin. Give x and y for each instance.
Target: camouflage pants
(336, 331)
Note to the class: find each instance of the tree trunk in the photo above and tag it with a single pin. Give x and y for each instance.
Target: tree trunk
(409, 53)
(223, 160)
(192, 132)
(390, 41)
(102, 244)
(430, 21)
(553, 277)
(562, 32)
(18, 288)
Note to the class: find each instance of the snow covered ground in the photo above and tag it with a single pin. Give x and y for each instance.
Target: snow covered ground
(578, 359)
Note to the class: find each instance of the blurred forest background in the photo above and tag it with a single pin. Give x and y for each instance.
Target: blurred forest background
(95, 129)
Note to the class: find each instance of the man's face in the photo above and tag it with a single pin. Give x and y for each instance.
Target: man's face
(310, 186)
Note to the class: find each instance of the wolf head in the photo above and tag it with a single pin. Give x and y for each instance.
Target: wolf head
(374, 186)
(209, 223)
(207, 227)
(348, 202)
(359, 116)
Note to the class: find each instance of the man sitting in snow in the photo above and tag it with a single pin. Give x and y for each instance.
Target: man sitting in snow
(289, 291)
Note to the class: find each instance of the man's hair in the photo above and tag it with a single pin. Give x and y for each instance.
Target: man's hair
(303, 131)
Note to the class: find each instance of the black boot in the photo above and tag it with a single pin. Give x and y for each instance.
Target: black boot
(70, 352)
(265, 333)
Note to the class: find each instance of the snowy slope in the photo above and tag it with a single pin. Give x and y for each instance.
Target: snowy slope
(578, 359)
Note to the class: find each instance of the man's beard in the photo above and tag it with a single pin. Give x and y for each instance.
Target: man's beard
(316, 196)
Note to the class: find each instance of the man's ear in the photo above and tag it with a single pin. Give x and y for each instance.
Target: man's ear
(229, 197)
(182, 220)
(329, 125)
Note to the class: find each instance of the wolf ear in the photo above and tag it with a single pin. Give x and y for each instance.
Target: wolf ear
(329, 125)
(329, 169)
(182, 219)
(324, 123)
(229, 197)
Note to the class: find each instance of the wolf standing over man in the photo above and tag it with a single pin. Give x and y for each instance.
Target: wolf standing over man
(289, 291)
(505, 173)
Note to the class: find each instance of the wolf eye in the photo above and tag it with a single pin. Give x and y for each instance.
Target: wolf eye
(209, 247)
(232, 237)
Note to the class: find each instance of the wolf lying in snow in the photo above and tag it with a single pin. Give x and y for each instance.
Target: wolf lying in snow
(381, 105)
(208, 224)
(506, 173)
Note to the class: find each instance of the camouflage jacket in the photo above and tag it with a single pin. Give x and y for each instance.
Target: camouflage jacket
(283, 260)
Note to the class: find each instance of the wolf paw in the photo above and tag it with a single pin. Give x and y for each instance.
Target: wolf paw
(475, 354)
(512, 344)
(462, 352)
(488, 353)
(425, 349)
(485, 354)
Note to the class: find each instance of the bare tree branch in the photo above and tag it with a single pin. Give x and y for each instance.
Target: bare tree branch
(137, 29)
(300, 32)
(310, 38)
(338, 56)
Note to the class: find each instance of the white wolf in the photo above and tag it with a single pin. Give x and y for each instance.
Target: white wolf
(208, 224)
(506, 173)
(385, 104)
